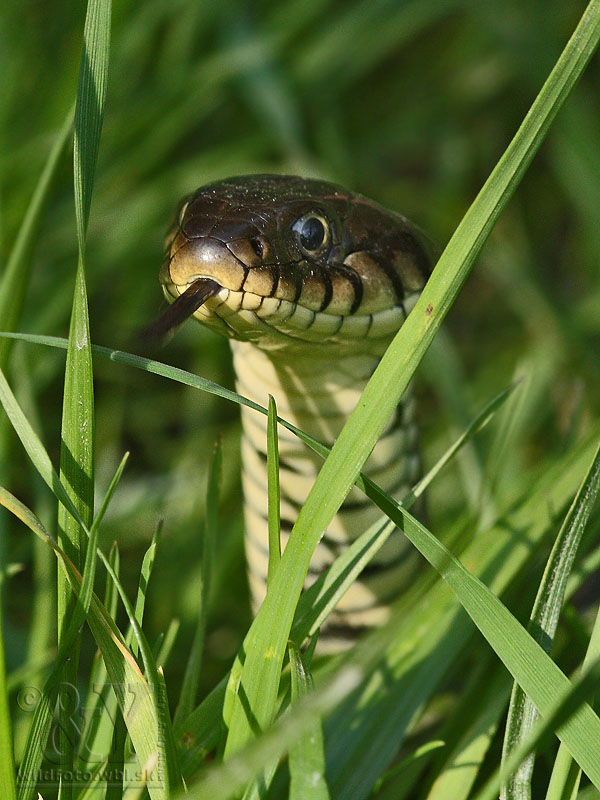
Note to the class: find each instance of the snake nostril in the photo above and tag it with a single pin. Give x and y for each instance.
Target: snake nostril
(257, 246)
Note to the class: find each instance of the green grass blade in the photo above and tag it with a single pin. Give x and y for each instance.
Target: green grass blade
(18, 268)
(133, 693)
(273, 494)
(566, 775)
(116, 758)
(77, 432)
(228, 779)
(89, 110)
(565, 778)
(77, 475)
(556, 718)
(145, 574)
(7, 762)
(92, 738)
(78, 414)
(97, 734)
(77, 450)
(191, 680)
(543, 623)
(265, 643)
(169, 772)
(164, 645)
(306, 758)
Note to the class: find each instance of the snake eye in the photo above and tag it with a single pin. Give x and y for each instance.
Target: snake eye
(312, 232)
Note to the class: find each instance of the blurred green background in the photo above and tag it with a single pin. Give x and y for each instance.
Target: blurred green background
(410, 103)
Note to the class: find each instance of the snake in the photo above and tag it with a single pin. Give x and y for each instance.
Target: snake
(309, 282)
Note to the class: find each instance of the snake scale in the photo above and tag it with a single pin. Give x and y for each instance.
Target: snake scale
(310, 283)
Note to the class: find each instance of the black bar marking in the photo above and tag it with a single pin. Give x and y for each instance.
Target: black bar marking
(326, 278)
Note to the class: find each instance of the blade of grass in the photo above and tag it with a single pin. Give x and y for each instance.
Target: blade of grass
(77, 475)
(307, 757)
(164, 644)
(273, 494)
(145, 574)
(557, 717)
(252, 692)
(229, 778)
(198, 734)
(191, 680)
(89, 790)
(96, 737)
(544, 621)
(116, 758)
(566, 774)
(116, 761)
(89, 110)
(77, 431)
(7, 760)
(42, 632)
(169, 772)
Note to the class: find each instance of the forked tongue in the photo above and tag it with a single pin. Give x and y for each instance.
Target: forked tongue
(180, 309)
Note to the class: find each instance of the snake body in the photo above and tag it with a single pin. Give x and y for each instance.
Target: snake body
(309, 282)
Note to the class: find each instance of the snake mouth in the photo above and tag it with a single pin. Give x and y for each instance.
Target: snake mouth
(273, 324)
(182, 308)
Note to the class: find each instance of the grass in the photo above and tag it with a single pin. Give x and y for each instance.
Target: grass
(416, 117)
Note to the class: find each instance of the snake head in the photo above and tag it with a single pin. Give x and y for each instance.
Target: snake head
(291, 261)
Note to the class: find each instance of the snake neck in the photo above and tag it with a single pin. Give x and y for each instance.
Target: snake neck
(317, 393)
(314, 391)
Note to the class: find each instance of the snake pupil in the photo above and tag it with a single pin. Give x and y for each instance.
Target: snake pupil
(312, 234)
